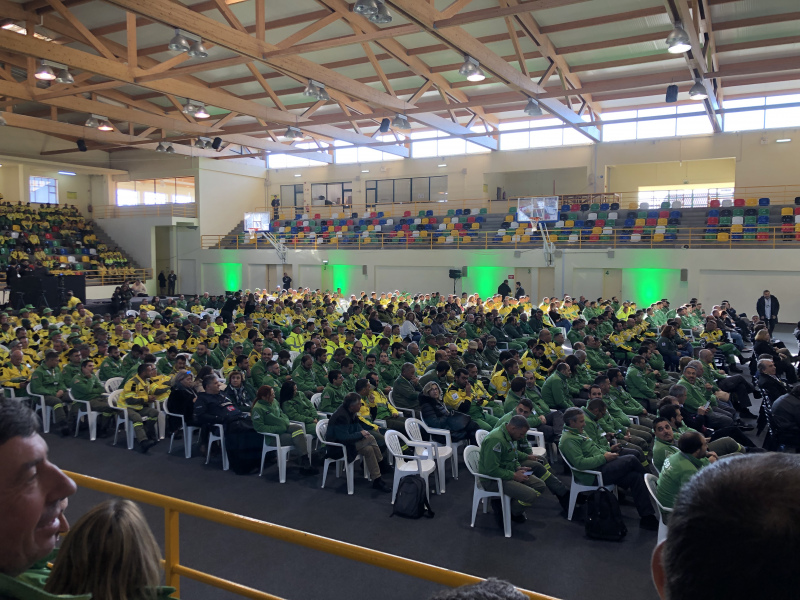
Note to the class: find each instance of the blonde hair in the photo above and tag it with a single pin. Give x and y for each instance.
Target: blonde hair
(110, 553)
(762, 336)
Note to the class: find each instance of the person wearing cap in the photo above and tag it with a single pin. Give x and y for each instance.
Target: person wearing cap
(112, 365)
(87, 387)
(135, 399)
(72, 300)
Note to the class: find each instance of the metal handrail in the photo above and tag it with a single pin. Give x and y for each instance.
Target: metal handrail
(689, 237)
(174, 507)
(112, 211)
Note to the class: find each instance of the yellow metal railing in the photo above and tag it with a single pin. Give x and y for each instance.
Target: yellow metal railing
(629, 200)
(775, 237)
(174, 507)
(93, 276)
(111, 211)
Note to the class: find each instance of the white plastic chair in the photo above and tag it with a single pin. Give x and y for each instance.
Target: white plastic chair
(576, 488)
(315, 400)
(130, 313)
(416, 464)
(480, 494)
(412, 424)
(406, 411)
(480, 435)
(219, 436)
(650, 481)
(121, 418)
(113, 384)
(85, 410)
(341, 463)
(573, 238)
(282, 453)
(188, 431)
(636, 237)
(39, 405)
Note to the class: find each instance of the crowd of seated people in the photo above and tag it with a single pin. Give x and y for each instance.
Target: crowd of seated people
(260, 363)
(57, 238)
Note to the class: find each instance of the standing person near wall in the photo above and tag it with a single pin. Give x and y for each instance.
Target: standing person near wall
(287, 281)
(503, 289)
(162, 282)
(172, 279)
(276, 205)
(767, 308)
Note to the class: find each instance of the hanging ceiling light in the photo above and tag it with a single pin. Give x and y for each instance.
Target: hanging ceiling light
(323, 93)
(401, 122)
(198, 50)
(189, 108)
(698, 91)
(91, 122)
(207, 145)
(200, 112)
(179, 42)
(105, 125)
(44, 72)
(293, 134)
(64, 76)
(170, 149)
(160, 147)
(382, 16)
(198, 143)
(366, 7)
(312, 91)
(678, 40)
(471, 69)
(533, 109)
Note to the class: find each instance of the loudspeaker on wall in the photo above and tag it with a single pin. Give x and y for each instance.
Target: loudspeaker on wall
(81, 145)
(684, 274)
(364, 270)
(672, 93)
(463, 271)
(216, 143)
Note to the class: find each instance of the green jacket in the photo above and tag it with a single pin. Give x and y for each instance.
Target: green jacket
(523, 445)
(499, 455)
(676, 471)
(582, 453)
(628, 404)
(70, 371)
(305, 379)
(616, 413)
(405, 394)
(360, 363)
(595, 431)
(87, 388)
(46, 383)
(638, 385)
(696, 395)
(388, 373)
(299, 408)
(662, 452)
(575, 336)
(320, 373)
(332, 398)
(268, 418)
(539, 405)
(258, 374)
(477, 359)
(110, 368)
(555, 391)
(218, 356)
(164, 366)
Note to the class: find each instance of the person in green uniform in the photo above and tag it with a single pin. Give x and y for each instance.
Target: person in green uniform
(680, 467)
(304, 377)
(112, 365)
(639, 386)
(333, 394)
(73, 366)
(381, 409)
(599, 418)
(462, 398)
(46, 380)
(87, 387)
(32, 504)
(622, 399)
(524, 478)
(555, 390)
(298, 407)
(406, 388)
(268, 417)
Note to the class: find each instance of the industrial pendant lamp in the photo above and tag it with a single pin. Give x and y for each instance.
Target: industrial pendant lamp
(533, 109)
(678, 40)
(698, 92)
(383, 16)
(44, 72)
(198, 50)
(366, 7)
(471, 69)
(179, 42)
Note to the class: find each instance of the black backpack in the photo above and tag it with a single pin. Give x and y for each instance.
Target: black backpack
(412, 501)
(603, 519)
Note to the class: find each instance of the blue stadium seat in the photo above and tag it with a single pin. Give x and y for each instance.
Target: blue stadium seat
(675, 214)
(763, 201)
(604, 206)
(429, 213)
(713, 213)
(763, 220)
(629, 222)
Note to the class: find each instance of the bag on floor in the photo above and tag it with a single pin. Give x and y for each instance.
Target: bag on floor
(603, 519)
(412, 501)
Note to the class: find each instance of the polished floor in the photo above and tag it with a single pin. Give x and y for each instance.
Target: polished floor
(548, 554)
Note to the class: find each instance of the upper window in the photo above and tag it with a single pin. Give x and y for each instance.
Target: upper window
(44, 190)
(173, 190)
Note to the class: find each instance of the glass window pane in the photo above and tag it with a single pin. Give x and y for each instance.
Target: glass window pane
(335, 194)
(451, 146)
(473, 148)
(514, 126)
(782, 117)
(743, 103)
(744, 121)
(654, 129)
(619, 131)
(419, 189)
(385, 156)
(785, 99)
(439, 188)
(694, 125)
(515, 141)
(385, 191)
(545, 123)
(366, 154)
(426, 149)
(276, 161)
(574, 137)
(126, 194)
(346, 156)
(402, 190)
(656, 112)
(620, 114)
(43, 190)
(547, 138)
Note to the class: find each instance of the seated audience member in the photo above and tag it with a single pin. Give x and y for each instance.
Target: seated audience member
(380, 408)
(735, 385)
(117, 531)
(786, 415)
(524, 477)
(436, 414)
(406, 388)
(181, 400)
(242, 442)
(768, 379)
(268, 417)
(678, 468)
(240, 392)
(32, 503)
(625, 471)
(298, 407)
(698, 397)
(748, 500)
(345, 428)
(781, 357)
(697, 421)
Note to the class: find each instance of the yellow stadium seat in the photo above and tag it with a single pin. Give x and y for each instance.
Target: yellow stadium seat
(440, 240)
(63, 259)
(85, 259)
(425, 221)
(662, 221)
(526, 239)
(344, 228)
(797, 227)
(658, 237)
(331, 229)
(736, 228)
(569, 223)
(633, 206)
(751, 202)
(639, 223)
(370, 227)
(520, 230)
(301, 234)
(476, 226)
(787, 210)
(16, 228)
(597, 230)
(446, 220)
(449, 227)
(723, 237)
(509, 219)
(423, 234)
(506, 239)
(466, 238)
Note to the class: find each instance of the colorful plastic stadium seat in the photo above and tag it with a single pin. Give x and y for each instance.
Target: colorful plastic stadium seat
(751, 202)
(787, 210)
(763, 201)
(723, 237)
(738, 202)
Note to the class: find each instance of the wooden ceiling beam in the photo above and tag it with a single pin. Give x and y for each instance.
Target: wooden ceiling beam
(642, 13)
(463, 42)
(495, 13)
(347, 40)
